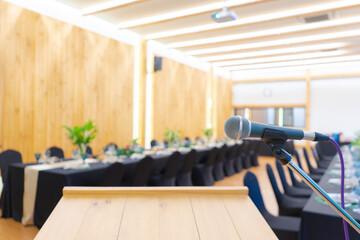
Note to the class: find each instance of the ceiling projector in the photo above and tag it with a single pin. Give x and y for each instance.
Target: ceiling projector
(225, 15)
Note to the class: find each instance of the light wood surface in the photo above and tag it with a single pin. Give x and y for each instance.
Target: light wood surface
(179, 100)
(156, 213)
(12, 230)
(54, 74)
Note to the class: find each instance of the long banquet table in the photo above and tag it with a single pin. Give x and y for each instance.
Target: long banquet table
(51, 182)
(320, 221)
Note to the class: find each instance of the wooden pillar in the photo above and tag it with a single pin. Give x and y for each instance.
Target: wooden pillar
(141, 58)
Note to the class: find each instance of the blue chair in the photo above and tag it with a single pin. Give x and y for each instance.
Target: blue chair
(229, 162)
(184, 175)
(56, 152)
(113, 175)
(238, 159)
(218, 170)
(295, 182)
(315, 177)
(142, 172)
(284, 227)
(7, 157)
(321, 164)
(168, 177)
(311, 168)
(288, 206)
(291, 190)
(246, 160)
(326, 151)
(203, 172)
(254, 145)
(154, 143)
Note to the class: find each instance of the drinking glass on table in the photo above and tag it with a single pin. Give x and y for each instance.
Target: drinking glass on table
(83, 156)
(118, 153)
(37, 157)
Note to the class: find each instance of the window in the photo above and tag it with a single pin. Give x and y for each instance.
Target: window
(281, 116)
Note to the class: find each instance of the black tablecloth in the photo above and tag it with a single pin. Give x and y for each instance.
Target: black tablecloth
(320, 221)
(51, 182)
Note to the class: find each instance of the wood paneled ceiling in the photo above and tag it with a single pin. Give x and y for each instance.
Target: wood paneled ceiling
(267, 33)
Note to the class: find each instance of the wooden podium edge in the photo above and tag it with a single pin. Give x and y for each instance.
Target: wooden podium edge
(121, 191)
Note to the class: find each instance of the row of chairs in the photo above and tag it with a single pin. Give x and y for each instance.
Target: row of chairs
(220, 162)
(292, 201)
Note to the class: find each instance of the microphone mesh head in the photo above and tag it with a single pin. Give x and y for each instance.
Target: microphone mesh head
(237, 127)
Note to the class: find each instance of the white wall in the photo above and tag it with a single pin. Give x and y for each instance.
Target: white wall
(335, 105)
(293, 92)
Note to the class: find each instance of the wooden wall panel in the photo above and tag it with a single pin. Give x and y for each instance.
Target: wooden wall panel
(179, 100)
(54, 74)
(223, 106)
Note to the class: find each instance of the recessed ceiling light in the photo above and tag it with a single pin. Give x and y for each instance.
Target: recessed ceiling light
(255, 19)
(270, 32)
(182, 13)
(281, 58)
(286, 41)
(294, 63)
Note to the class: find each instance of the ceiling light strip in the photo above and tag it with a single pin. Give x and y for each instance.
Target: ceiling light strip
(183, 13)
(270, 32)
(317, 47)
(256, 19)
(281, 58)
(106, 6)
(326, 36)
(294, 63)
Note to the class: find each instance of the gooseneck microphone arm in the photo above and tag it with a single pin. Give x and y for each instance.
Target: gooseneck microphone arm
(276, 139)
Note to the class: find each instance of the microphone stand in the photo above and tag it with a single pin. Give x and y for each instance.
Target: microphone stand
(276, 139)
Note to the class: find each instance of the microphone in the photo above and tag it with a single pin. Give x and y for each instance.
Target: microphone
(237, 127)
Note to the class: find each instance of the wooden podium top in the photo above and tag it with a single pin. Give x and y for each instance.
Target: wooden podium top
(164, 213)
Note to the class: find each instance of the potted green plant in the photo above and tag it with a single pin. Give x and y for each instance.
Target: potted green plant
(171, 136)
(81, 136)
(208, 132)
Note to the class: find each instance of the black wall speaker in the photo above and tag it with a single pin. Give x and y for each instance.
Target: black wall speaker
(157, 63)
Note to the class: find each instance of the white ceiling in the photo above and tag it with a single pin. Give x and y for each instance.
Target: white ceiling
(250, 34)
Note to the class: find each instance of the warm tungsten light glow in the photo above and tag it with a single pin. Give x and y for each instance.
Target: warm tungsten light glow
(294, 40)
(317, 47)
(182, 13)
(270, 32)
(281, 58)
(293, 63)
(104, 6)
(255, 19)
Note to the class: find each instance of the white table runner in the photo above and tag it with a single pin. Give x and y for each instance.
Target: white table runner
(31, 174)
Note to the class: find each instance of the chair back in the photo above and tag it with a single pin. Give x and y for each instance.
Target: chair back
(172, 165)
(298, 159)
(293, 179)
(311, 168)
(56, 152)
(221, 154)
(114, 145)
(142, 172)
(326, 150)
(154, 143)
(113, 175)
(88, 150)
(282, 175)
(232, 152)
(289, 147)
(189, 162)
(273, 182)
(212, 157)
(315, 155)
(251, 182)
(8, 157)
